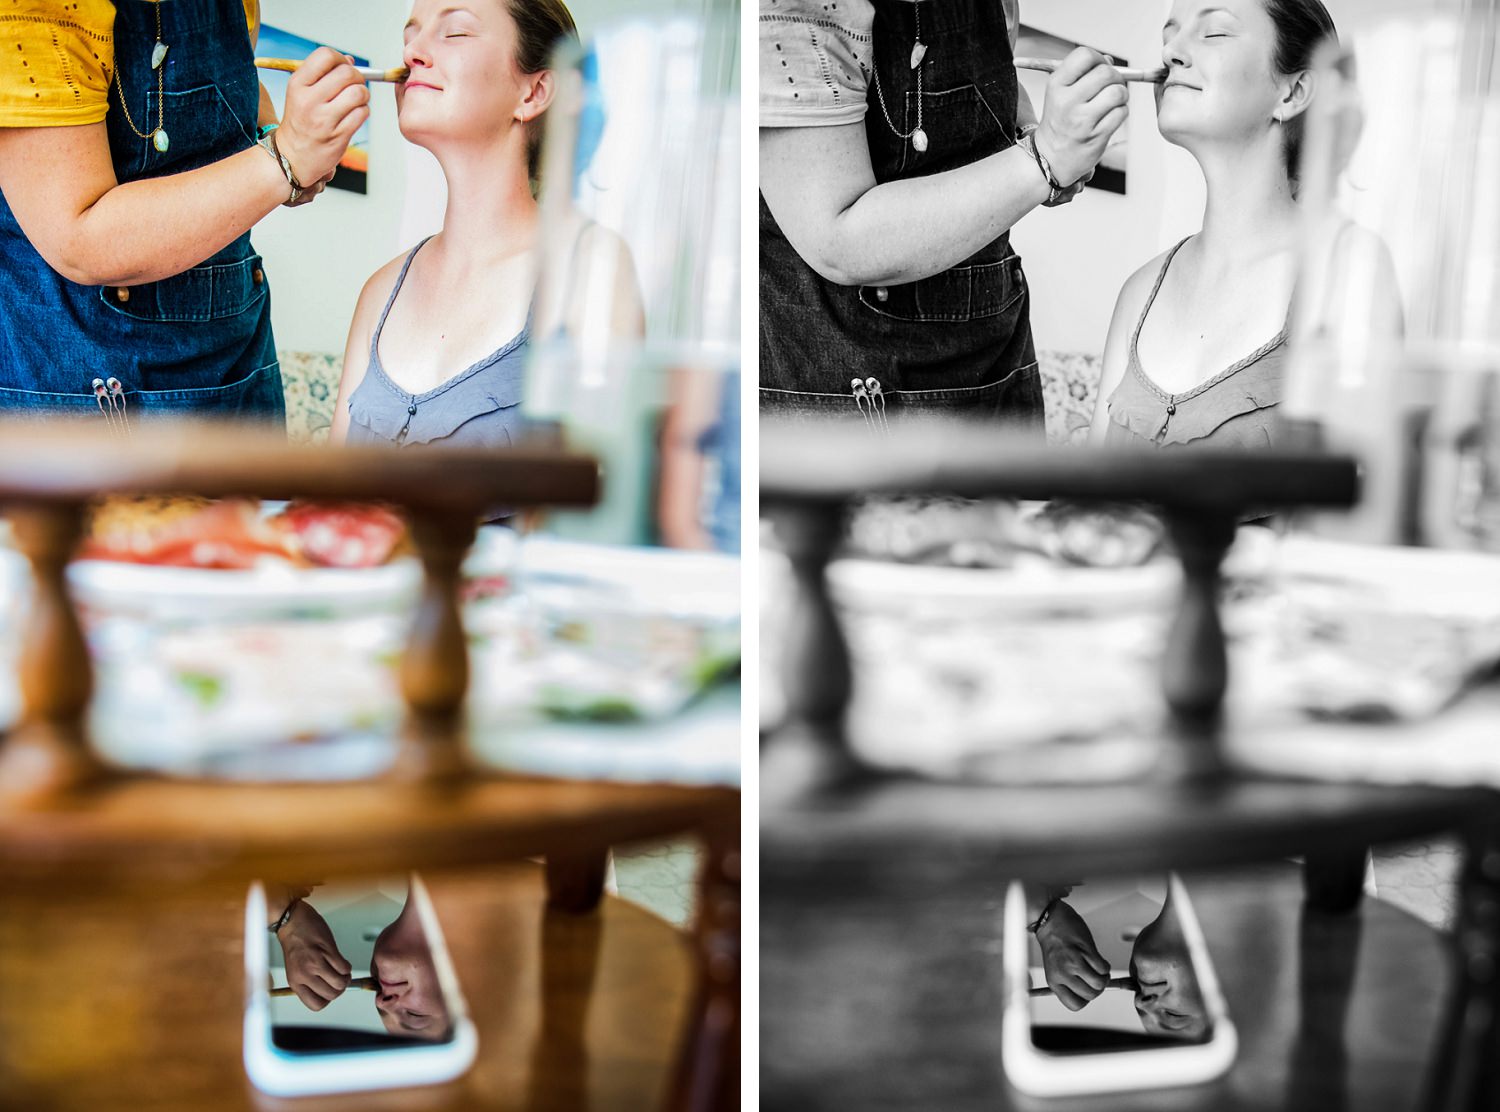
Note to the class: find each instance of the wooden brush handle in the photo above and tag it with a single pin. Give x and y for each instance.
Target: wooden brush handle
(369, 983)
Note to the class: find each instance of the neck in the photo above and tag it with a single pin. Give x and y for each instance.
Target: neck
(491, 214)
(1249, 208)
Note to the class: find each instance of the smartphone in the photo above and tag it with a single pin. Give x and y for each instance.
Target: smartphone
(1158, 1021)
(354, 991)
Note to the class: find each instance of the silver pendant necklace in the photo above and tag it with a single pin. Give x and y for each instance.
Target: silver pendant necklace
(917, 135)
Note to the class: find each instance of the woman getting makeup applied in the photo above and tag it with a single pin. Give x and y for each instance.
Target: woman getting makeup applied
(1197, 347)
(439, 336)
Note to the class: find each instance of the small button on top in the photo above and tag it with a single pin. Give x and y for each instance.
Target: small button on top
(411, 409)
(1171, 409)
(882, 294)
(122, 295)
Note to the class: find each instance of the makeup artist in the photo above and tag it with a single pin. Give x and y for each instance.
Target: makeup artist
(896, 152)
(130, 176)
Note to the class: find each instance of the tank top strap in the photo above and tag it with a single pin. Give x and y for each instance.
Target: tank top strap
(391, 300)
(1135, 358)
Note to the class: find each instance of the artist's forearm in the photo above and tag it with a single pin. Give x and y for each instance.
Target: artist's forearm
(266, 114)
(144, 231)
(905, 230)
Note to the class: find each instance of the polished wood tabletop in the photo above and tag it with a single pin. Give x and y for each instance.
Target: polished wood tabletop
(871, 1002)
(136, 1001)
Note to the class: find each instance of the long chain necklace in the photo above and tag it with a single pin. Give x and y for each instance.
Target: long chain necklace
(917, 136)
(158, 137)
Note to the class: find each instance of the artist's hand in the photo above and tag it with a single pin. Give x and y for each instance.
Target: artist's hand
(1075, 970)
(310, 192)
(315, 970)
(1086, 103)
(326, 102)
(1070, 192)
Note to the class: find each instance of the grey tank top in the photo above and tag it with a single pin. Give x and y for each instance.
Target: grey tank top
(480, 407)
(1233, 409)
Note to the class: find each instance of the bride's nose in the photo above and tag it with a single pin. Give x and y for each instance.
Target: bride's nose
(416, 52)
(1174, 52)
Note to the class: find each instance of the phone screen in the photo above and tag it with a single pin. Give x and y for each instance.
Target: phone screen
(351, 969)
(1112, 969)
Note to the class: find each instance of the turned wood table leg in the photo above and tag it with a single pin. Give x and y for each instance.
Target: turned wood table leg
(1465, 1075)
(1195, 666)
(435, 665)
(708, 1069)
(1334, 882)
(575, 881)
(48, 752)
(817, 678)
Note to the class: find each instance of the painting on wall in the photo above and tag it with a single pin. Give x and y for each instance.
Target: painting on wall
(1031, 43)
(354, 168)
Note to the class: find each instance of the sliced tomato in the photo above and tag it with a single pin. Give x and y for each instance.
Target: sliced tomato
(342, 535)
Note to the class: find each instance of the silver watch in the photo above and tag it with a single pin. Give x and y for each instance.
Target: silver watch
(269, 143)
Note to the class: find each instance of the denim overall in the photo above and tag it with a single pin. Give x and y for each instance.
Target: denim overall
(955, 343)
(198, 343)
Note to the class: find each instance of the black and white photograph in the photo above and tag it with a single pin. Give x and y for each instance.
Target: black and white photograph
(1129, 569)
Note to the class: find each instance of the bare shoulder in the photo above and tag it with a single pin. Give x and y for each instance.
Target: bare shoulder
(603, 242)
(1137, 287)
(372, 297)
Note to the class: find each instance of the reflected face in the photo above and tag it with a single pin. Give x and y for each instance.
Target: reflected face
(1221, 78)
(409, 1000)
(1168, 998)
(464, 82)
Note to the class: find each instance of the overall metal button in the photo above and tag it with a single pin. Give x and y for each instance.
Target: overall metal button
(122, 295)
(411, 409)
(882, 294)
(1171, 410)
(258, 276)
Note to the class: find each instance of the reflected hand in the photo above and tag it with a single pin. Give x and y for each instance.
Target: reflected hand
(1076, 972)
(315, 969)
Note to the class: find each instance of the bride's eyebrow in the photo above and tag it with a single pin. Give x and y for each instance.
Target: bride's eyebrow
(454, 10)
(1172, 23)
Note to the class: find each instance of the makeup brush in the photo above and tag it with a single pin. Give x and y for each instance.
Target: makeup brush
(1113, 982)
(1049, 65)
(369, 73)
(369, 983)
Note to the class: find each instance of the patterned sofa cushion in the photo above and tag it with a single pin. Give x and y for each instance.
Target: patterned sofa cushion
(1070, 383)
(311, 382)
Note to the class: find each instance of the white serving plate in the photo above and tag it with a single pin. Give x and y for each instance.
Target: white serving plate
(660, 581)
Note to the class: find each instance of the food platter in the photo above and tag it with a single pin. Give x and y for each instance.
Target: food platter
(270, 587)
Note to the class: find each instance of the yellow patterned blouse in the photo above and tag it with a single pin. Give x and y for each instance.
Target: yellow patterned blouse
(57, 60)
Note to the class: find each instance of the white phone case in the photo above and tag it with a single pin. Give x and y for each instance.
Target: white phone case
(286, 1075)
(1048, 1075)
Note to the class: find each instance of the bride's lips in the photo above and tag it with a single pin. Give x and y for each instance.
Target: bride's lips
(412, 84)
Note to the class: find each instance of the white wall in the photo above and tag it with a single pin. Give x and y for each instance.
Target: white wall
(1078, 256)
(319, 256)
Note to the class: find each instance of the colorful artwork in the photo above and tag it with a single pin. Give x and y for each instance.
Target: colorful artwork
(1032, 43)
(354, 167)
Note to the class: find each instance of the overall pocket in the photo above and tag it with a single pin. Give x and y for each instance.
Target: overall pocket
(961, 128)
(216, 291)
(977, 292)
(200, 125)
